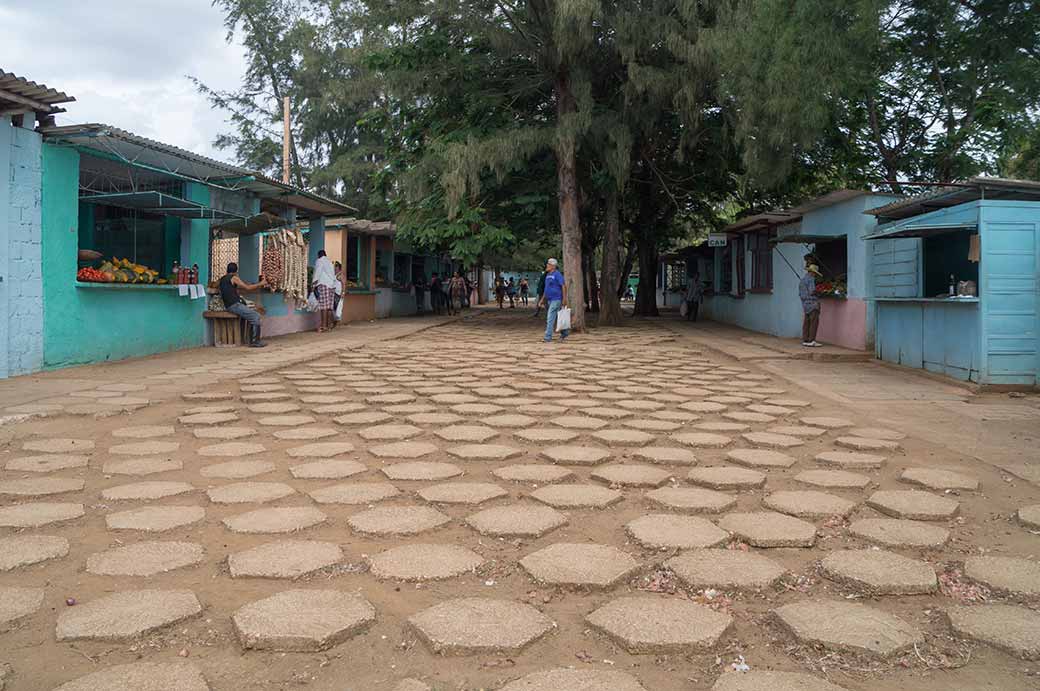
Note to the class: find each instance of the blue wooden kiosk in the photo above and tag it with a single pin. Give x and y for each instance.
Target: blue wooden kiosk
(986, 230)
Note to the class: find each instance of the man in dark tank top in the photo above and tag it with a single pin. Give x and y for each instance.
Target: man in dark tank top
(229, 285)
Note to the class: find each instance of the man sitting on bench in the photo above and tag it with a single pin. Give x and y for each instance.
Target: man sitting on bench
(233, 302)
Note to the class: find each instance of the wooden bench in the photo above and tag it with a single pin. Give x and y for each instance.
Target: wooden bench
(229, 330)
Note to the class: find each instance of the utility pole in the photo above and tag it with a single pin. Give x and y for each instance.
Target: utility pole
(285, 140)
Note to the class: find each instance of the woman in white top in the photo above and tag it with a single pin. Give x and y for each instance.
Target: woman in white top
(324, 283)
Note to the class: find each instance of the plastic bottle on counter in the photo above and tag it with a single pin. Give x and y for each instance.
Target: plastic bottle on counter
(176, 272)
(953, 286)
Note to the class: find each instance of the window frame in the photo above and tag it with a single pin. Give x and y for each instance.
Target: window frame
(761, 261)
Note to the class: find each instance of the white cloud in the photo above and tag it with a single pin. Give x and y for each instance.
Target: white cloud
(127, 63)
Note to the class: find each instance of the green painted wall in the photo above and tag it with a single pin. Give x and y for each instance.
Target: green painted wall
(84, 325)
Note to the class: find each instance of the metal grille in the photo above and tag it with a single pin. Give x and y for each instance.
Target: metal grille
(222, 251)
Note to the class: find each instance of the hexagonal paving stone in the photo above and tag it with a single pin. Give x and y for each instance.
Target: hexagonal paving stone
(249, 492)
(877, 433)
(760, 458)
(1029, 516)
(285, 420)
(232, 449)
(741, 416)
(278, 520)
(937, 479)
(864, 444)
(703, 440)
(145, 558)
(517, 520)
(623, 437)
(18, 603)
(894, 532)
(772, 681)
(56, 445)
(155, 519)
(769, 529)
(125, 615)
(302, 620)
(421, 470)
(691, 500)
(469, 433)
(1011, 575)
(144, 448)
(809, 504)
(37, 514)
(327, 470)
(576, 455)
(142, 676)
(546, 434)
(462, 493)
(403, 449)
(510, 420)
(913, 504)
(798, 430)
(838, 479)
(880, 572)
(828, 422)
(424, 562)
(141, 466)
(1015, 630)
(665, 455)
(39, 486)
(146, 490)
(391, 432)
(208, 396)
(144, 431)
(850, 460)
(354, 493)
(24, 550)
(476, 408)
(367, 417)
(540, 473)
(671, 531)
(273, 408)
(484, 452)
(579, 564)
(576, 496)
(208, 418)
(47, 463)
(723, 477)
(467, 626)
(631, 475)
(564, 679)
(848, 626)
(579, 422)
(659, 625)
(223, 432)
(326, 449)
(653, 425)
(237, 470)
(725, 569)
(772, 440)
(306, 433)
(284, 559)
(397, 520)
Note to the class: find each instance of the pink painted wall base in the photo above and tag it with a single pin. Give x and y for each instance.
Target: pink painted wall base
(843, 323)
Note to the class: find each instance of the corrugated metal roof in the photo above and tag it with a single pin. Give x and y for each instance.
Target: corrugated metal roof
(829, 199)
(19, 94)
(385, 229)
(945, 195)
(763, 220)
(135, 149)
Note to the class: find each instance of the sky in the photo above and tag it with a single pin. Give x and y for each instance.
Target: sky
(126, 61)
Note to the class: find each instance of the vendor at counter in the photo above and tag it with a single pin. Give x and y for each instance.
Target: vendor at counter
(233, 302)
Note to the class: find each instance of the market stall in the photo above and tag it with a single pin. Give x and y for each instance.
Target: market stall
(955, 276)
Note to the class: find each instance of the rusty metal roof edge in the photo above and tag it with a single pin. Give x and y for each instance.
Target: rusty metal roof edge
(41, 93)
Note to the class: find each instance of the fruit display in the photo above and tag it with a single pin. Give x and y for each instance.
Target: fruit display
(117, 270)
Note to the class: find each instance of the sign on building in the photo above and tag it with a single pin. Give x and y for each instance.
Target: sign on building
(717, 239)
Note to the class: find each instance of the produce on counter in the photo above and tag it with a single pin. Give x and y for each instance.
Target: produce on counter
(117, 270)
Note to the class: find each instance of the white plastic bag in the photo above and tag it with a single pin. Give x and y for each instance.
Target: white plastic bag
(684, 309)
(563, 319)
(339, 310)
(312, 302)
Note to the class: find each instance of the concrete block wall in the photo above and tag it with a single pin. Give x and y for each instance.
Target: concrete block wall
(21, 303)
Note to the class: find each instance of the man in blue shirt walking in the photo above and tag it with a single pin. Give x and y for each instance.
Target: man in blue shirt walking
(555, 296)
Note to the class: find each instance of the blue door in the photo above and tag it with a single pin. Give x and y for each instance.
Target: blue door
(1010, 297)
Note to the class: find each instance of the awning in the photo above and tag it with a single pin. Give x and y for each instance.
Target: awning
(18, 94)
(159, 203)
(920, 230)
(808, 239)
(251, 226)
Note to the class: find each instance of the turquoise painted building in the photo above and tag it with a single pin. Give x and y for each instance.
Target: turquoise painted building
(982, 238)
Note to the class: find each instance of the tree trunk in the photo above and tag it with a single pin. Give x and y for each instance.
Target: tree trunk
(610, 299)
(593, 289)
(646, 293)
(567, 193)
(482, 292)
(626, 268)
